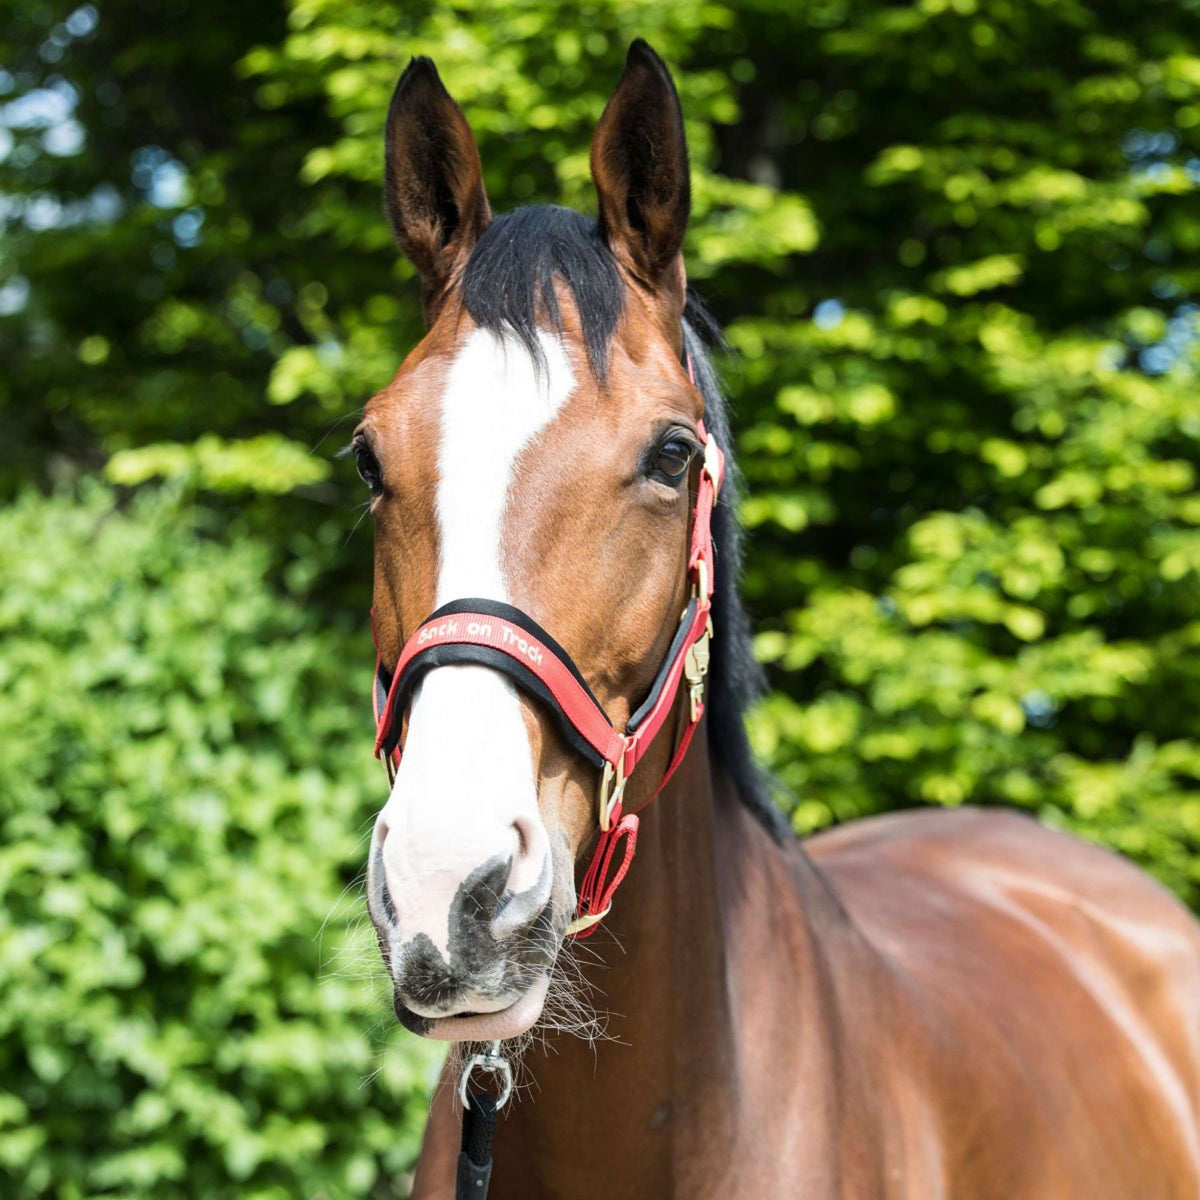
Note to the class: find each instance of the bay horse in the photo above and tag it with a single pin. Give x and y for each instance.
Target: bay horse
(927, 1004)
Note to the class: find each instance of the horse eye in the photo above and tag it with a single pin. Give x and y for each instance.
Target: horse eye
(672, 460)
(368, 468)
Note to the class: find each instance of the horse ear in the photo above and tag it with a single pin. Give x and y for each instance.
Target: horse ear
(640, 169)
(433, 180)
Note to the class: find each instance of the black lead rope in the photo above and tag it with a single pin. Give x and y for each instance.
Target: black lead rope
(475, 1154)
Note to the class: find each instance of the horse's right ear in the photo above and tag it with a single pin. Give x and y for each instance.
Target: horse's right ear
(433, 181)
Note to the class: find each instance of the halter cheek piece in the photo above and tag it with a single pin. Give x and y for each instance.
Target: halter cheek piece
(497, 635)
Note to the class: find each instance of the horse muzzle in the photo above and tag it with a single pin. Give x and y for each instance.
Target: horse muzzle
(468, 943)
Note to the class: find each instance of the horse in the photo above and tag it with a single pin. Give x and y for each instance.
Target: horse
(924, 1004)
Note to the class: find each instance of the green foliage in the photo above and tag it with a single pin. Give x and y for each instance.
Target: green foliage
(954, 246)
(267, 463)
(972, 470)
(187, 792)
(955, 274)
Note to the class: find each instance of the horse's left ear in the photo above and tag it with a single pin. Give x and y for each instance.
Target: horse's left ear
(640, 169)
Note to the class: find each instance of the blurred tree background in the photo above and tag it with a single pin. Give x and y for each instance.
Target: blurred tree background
(954, 247)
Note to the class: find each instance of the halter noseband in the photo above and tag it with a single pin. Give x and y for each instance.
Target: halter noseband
(493, 634)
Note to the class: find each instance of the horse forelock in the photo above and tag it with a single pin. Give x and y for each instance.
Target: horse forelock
(511, 280)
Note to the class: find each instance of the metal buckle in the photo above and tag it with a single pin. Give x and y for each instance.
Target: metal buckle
(492, 1061)
(712, 462)
(613, 780)
(695, 668)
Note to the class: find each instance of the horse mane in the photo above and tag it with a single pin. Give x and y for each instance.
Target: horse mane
(508, 286)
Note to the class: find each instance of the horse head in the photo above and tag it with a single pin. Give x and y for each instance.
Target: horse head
(538, 452)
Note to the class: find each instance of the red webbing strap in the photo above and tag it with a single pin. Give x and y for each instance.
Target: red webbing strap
(639, 743)
(485, 629)
(706, 496)
(701, 569)
(680, 751)
(595, 896)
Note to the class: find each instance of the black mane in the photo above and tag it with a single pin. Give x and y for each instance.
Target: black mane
(509, 280)
(737, 679)
(508, 287)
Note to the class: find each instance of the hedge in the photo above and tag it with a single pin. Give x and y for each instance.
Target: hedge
(190, 1006)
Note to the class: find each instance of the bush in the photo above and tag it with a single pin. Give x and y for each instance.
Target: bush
(188, 787)
(954, 247)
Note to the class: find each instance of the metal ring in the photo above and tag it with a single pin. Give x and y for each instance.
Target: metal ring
(606, 778)
(586, 921)
(610, 799)
(492, 1061)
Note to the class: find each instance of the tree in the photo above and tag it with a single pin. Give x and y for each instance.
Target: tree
(950, 243)
(953, 243)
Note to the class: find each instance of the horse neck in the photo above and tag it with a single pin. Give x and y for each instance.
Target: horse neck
(666, 970)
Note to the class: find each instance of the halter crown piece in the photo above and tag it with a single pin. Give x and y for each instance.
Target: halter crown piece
(497, 635)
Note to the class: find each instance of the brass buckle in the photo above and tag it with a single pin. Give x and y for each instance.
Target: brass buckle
(612, 788)
(695, 668)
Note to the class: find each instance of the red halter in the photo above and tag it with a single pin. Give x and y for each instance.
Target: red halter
(497, 635)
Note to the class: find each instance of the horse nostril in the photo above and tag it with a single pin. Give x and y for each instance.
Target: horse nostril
(529, 859)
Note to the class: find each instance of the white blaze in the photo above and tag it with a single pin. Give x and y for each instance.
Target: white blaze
(467, 771)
